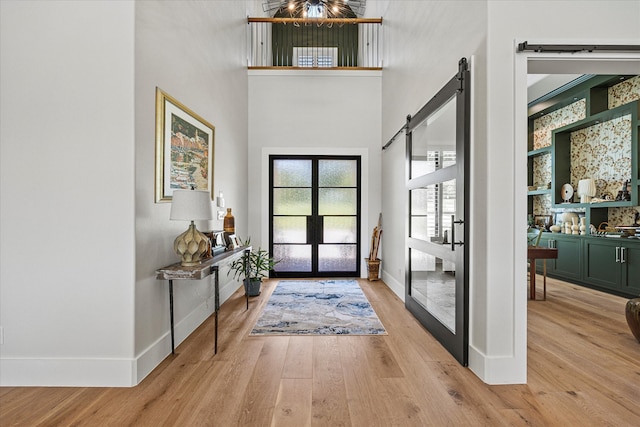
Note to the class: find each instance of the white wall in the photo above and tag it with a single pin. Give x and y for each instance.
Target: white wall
(502, 350)
(196, 53)
(313, 112)
(67, 189)
(81, 234)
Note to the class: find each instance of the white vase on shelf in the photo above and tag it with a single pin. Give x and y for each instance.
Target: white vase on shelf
(575, 228)
(583, 226)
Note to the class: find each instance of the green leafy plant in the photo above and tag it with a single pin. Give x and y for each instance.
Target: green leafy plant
(258, 265)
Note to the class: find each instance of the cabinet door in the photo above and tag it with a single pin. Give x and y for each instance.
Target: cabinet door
(631, 271)
(547, 241)
(569, 262)
(601, 267)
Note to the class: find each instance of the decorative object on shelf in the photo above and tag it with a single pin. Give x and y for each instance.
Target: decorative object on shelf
(373, 263)
(253, 269)
(568, 221)
(234, 241)
(567, 193)
(586, 190)
(575, 228)
(623, 194)
(184, 149)
(229, 224)
(543, 222)
(190, 205)
(583, 226)
(632, 313)
(555, 228)
(218, 244)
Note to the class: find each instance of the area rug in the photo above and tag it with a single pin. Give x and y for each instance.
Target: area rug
(318, 307)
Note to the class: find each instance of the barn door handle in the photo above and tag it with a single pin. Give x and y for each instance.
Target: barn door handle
(453, 232)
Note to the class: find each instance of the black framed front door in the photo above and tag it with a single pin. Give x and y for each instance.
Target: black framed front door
(314, 212)
(438, 141)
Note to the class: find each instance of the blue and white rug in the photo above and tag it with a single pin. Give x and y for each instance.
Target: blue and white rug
(313, 307)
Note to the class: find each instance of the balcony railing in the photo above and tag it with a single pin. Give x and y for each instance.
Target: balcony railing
(315, 43)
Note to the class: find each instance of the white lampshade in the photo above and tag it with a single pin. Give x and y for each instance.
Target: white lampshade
(586, 190)
(190, 205)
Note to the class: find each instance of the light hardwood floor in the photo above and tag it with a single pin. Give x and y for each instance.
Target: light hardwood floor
(583, 370)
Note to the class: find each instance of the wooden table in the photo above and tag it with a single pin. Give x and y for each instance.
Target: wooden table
(207, 267)
(534, 253)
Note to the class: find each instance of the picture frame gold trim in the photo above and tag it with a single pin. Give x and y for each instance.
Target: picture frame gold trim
(185, 158)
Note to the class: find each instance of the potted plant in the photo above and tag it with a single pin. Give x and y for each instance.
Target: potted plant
(253, 269)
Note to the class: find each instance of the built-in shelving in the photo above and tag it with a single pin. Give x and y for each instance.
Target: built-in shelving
(588, 106)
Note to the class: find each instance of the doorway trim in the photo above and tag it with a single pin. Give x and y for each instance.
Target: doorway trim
(605, 62)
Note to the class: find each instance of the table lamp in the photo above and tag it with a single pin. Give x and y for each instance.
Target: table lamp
(191, 205)
(586, 190)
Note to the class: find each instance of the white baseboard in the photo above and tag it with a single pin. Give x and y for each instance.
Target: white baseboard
(153, 355)
(496, 370)
(394, 285)
(67, 372)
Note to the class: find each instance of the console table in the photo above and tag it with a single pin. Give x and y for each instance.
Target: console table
(207, 267)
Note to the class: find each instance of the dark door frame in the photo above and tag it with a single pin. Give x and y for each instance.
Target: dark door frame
(315, 228)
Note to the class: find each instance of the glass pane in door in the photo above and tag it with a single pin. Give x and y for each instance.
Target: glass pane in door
(338, 208)
(291, 206)
(433, 286)
(434, 141)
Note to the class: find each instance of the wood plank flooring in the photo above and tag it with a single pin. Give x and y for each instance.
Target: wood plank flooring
(583, 370)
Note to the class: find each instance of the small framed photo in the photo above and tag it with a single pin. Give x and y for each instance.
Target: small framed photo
(543, 222)
(234, 241)
(218, 239)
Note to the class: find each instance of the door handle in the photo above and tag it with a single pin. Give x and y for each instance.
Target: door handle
(617, 253)
(453, 232)
(623, 255)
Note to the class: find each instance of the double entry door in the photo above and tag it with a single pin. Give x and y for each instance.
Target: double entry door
(314, 211)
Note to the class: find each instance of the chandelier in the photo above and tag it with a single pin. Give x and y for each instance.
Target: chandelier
(315, 8)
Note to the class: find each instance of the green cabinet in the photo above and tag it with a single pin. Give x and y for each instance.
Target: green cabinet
(608, 264)
(613, 264)
(568, 265)
(602, 266)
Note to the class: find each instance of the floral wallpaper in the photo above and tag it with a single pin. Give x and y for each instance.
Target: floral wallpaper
(542, 204)
(622, 93)
(543, 126)
(602, 152)
(622, 216)
(542, 170)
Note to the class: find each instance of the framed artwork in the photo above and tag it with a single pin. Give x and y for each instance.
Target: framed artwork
(184, 149)
(543, 222)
